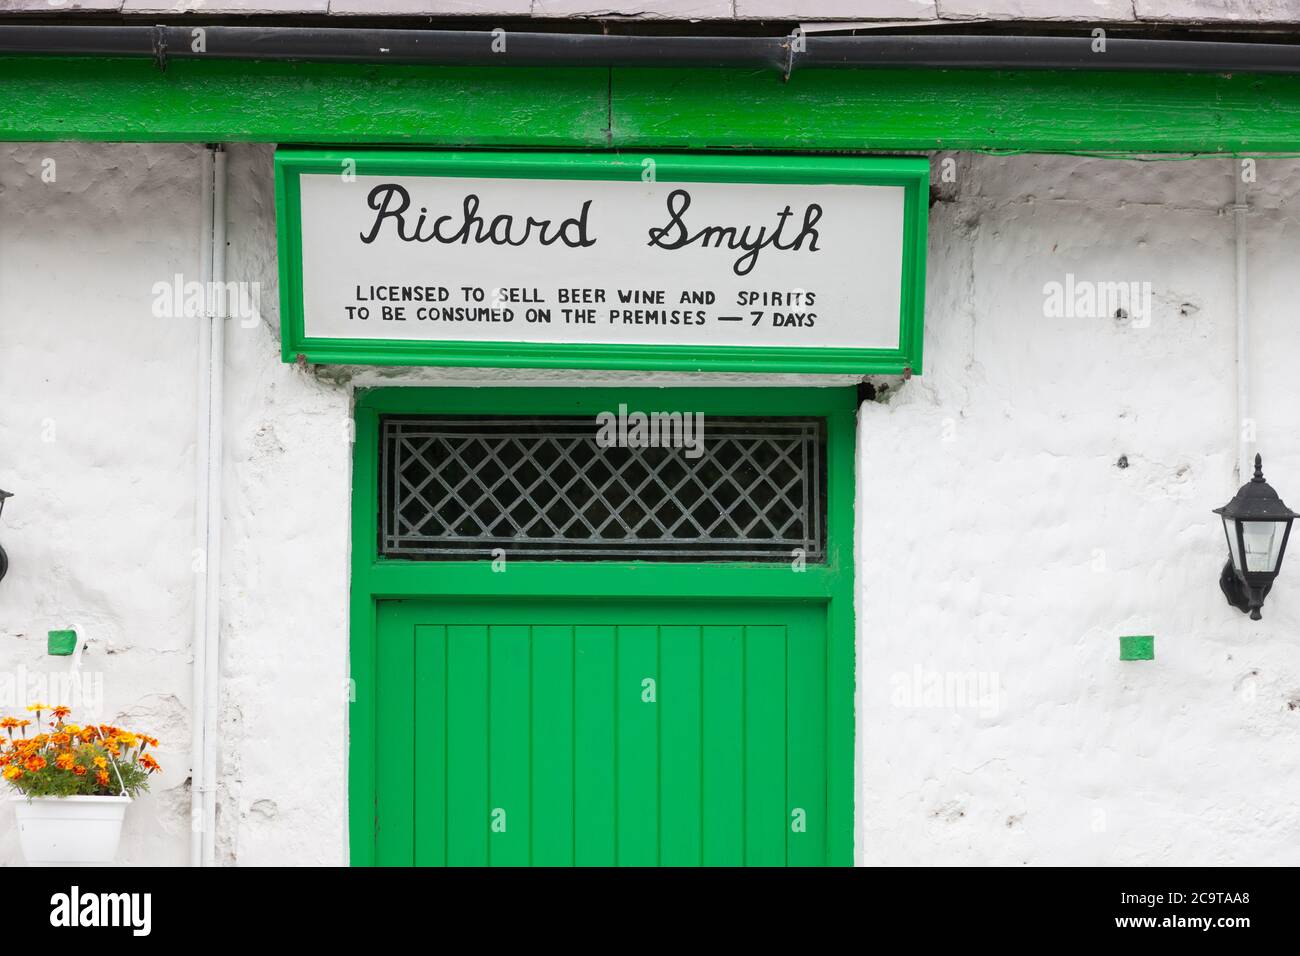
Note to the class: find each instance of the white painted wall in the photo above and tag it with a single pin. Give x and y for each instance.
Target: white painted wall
(997, 535)
(101, 529)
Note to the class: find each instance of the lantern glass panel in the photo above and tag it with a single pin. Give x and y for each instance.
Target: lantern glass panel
(1230, 529)
(1263, 542)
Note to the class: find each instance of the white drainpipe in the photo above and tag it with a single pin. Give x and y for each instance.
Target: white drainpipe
(1245, 437)
(207, 517)
(217, 324)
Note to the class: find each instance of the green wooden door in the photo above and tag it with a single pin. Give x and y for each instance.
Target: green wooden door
(629, 709)
(526, 732)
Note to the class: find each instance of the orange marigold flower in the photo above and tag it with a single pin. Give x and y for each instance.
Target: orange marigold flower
(35, 763)
(64, 761)
(61, 739)
(8, 723)
(151, 741)
(147, 761)
(101, 763)
(101, 777)
(60, 711)
(12, 773)
(79, 770)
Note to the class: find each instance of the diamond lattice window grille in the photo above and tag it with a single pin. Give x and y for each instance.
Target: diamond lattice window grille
(460, 488)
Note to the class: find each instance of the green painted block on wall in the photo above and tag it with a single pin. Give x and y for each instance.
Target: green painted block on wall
(62, 643)
(1137, 647)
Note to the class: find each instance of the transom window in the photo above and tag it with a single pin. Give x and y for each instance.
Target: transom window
(456, 488)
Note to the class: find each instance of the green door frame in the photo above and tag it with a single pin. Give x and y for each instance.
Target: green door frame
(376, 579)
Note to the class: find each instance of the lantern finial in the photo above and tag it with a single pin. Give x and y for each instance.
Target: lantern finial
(1259, 468)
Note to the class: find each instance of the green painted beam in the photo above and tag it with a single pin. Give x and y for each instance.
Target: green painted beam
(909, 109)
(83, 98)
(123, 99)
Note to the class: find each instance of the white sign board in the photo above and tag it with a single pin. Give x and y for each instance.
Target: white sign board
(600, 262)
(529, 260)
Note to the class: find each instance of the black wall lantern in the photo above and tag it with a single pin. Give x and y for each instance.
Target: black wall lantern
(1257, 524)
(4, 558)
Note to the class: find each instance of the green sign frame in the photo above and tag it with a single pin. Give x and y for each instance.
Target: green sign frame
(912, 174)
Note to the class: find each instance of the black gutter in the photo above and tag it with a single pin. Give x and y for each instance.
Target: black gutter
(781, 53)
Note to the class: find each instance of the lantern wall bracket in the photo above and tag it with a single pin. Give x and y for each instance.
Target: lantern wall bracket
(1237, 593)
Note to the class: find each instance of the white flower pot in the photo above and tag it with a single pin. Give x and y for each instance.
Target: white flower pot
(70, 831)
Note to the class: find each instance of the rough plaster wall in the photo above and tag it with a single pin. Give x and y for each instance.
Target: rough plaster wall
(999, 538)
(285, 582)
(98, 444)
(99, 427)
